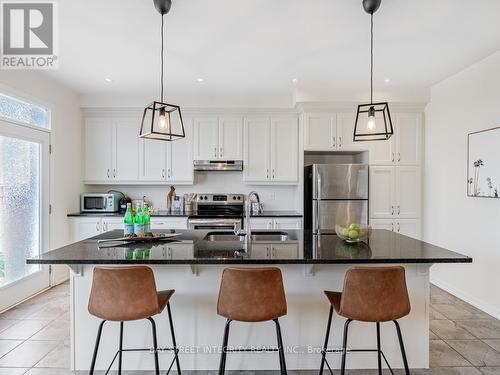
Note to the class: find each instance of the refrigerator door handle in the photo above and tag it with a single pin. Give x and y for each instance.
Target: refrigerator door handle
(316, 216)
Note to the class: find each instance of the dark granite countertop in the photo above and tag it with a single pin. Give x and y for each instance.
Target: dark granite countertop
(302, 247)
(184, 214)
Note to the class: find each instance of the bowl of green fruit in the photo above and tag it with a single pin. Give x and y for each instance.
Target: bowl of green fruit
(353, 232)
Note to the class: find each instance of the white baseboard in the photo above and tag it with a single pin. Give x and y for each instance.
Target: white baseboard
(466, 297)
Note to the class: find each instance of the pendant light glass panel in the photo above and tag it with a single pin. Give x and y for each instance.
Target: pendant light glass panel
(163, 122)
(373, 122)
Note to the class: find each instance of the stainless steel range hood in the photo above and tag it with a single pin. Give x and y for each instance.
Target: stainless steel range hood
(218, 165)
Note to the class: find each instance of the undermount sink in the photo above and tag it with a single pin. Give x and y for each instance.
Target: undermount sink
(266, 236)
(270, 236)
(223, 236)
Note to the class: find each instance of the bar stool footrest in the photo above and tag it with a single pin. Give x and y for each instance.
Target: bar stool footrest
(356, 351)
(145, 350)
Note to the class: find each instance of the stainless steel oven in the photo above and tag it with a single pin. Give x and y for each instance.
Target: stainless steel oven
(218, 212)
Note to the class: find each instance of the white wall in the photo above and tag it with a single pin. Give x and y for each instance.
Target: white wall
(66, 160)
(466, 102)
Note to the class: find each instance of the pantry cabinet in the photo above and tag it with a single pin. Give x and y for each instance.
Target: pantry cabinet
(218, 138)
(271, 152)
(395, 192)
(404, 147)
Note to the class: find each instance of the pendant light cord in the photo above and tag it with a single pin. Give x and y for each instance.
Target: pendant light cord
(371, 60)
(162, 78)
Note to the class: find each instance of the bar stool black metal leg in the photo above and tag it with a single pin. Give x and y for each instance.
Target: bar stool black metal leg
(96, 348)
(222, 365)
(325, 346)
(155, 346)
(402, 346)
(344, 346)
(379, 354)
(281, 349)
(121, 349)
(174, 343)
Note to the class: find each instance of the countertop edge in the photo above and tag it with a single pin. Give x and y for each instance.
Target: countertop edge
(255, 261)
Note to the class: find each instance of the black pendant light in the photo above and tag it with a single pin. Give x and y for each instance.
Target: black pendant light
(162, 121)
(368, 126)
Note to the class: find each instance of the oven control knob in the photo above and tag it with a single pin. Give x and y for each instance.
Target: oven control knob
(206, 198)
(234, 198)
(239, 198)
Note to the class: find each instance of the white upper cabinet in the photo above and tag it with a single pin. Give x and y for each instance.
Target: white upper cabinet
(98, 152)
(320, 132)
(218, 138)
(180, 157)
(331, 132)
(114, 154)
(284, 150)
(404, 147)
(111, 150)
(206, 138)
(152, 160)
(409, 138)
(345, 133)
(271, 150)
(256, 157)
(126, 149)
(230, 138)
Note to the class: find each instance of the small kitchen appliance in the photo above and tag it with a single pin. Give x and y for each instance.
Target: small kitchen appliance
(100, 202)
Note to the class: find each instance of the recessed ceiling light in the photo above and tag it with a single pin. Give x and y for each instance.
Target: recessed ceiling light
(109, 80)
(295, 80)
(387, 80)
(200, 80)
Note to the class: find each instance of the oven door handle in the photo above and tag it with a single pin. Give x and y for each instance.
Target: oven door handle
(220, 222)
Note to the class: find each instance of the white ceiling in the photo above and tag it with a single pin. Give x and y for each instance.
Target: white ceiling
(249, 50)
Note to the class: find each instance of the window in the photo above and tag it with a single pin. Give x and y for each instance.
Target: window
(28, 113)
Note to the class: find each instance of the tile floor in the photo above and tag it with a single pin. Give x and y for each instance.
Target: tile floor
(34, 338)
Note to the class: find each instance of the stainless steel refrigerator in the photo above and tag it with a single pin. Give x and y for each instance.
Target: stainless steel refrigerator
(335, 194)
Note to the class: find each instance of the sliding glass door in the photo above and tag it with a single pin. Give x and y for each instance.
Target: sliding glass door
(24, 216)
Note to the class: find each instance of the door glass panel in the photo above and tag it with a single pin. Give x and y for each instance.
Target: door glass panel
(20, 191)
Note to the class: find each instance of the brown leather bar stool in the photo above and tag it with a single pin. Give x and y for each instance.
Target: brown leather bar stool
(372, 295)
(125, 294)
(252, 295)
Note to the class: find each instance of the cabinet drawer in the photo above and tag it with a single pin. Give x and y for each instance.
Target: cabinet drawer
(168, 223)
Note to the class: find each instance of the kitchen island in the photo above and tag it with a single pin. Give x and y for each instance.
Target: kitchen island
(192, 265)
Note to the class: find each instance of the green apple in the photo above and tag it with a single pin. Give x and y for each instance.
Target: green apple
(354, 227)
(345, 232)
(353, 234)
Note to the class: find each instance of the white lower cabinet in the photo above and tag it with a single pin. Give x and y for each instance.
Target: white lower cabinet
(85, 227)
(408, 227)
(89, 226)
(275, 251)
(278, 223)
(158, 223)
